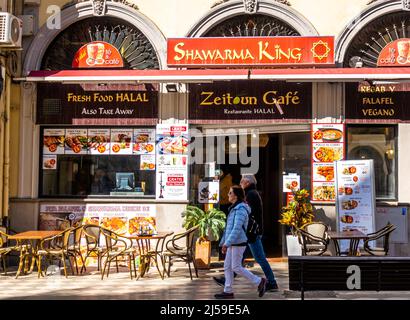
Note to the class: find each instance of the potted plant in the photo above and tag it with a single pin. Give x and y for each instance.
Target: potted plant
(295, 215)
(211, 223)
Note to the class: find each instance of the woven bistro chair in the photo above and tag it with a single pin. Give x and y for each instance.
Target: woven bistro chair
(314, 239)
(117, 246)
(55, 247)
(173, 249)
(6, 248)
(74, 249)
(384, 234)
(92, 235)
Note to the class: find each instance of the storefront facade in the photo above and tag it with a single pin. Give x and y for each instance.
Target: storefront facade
(50, 176)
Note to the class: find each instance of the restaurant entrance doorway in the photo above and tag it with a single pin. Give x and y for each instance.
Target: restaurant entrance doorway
(279, 154)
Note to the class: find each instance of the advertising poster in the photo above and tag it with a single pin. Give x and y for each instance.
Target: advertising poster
(291, 181)
(147, 162)
(328, 146)
(121, 141)
(53, 141)
(208, 192)
(49, 162)
(99, 141)
(122, 219)
(144, 141)
(172, 162)
(355, 196)
(76, 141)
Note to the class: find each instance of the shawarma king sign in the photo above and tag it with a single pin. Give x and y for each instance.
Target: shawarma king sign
(251, 51)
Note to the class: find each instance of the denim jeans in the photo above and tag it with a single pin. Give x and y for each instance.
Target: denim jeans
(259, 255)
(233, 263)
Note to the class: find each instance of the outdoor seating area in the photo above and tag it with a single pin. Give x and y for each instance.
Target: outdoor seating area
(315, 239)
(77, 248)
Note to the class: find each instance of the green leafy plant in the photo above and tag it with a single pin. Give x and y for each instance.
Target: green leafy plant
(211, 223)
(299, 211)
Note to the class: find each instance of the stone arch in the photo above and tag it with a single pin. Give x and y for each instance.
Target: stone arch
(357, 24)
(234, 8)
(83, 10)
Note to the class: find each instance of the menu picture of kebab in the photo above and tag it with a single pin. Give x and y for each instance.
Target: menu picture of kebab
(53, 141)
(144, 141)
(99, 140)
(323, 172)
(76, 141)
(49, 162)
(116, 224)
(142, 226)
(121, 141)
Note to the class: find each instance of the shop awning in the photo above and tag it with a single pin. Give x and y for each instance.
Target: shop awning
(210, 75)
(139, 76)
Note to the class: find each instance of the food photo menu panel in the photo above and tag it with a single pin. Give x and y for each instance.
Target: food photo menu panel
(328, 145)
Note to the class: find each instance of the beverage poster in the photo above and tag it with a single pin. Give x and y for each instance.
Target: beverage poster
(53, 141)
(144, 141)
(99, 141)
(172, 162)
(76, 141)
(121, 141)
(355, 196)
(208, 192)
(328, 146)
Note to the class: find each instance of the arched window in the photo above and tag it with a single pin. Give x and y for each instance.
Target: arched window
(135, 48)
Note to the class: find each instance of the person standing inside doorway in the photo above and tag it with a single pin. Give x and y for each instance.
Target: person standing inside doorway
(254, 200)
(234, 243)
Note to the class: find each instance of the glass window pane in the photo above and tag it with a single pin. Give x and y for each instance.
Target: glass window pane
(377, 143)
(97, 175)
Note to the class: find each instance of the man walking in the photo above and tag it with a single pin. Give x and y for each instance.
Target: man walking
(253, 199)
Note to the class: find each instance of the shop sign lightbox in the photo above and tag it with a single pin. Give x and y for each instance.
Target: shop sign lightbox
(395, 54)
(374, 103)
(251, 51)
(247, 101)
(98, 54)
(72, 104)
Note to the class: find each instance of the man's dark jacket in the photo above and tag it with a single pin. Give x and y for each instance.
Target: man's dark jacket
(254, 200)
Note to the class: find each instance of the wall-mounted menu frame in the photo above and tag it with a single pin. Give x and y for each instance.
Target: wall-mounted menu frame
(328, 146)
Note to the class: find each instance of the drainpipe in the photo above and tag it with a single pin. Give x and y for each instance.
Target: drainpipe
(6, 163)
(2, 129)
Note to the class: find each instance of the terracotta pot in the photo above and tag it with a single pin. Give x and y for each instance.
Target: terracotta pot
(203, 254)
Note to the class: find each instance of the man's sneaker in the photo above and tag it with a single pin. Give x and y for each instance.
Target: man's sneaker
(224, 295)
(220, 281)
(272, 287)
(262, 287)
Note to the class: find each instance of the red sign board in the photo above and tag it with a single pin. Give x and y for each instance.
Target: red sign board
(251, 51)
(98, 54)
(395, 54)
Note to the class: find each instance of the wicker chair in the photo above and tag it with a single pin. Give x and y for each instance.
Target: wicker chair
(55, 247)
(384, 234)
(6, 248)
(74, 249)
(117, 246)
(92, 234)
(314, 239)
(186, 253)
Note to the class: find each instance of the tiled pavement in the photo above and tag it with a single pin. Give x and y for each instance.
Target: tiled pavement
(178, 287)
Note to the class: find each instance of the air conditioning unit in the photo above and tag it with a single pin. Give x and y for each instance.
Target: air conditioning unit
(11, 31)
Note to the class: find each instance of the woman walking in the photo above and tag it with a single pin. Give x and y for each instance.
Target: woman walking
(234, 243)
